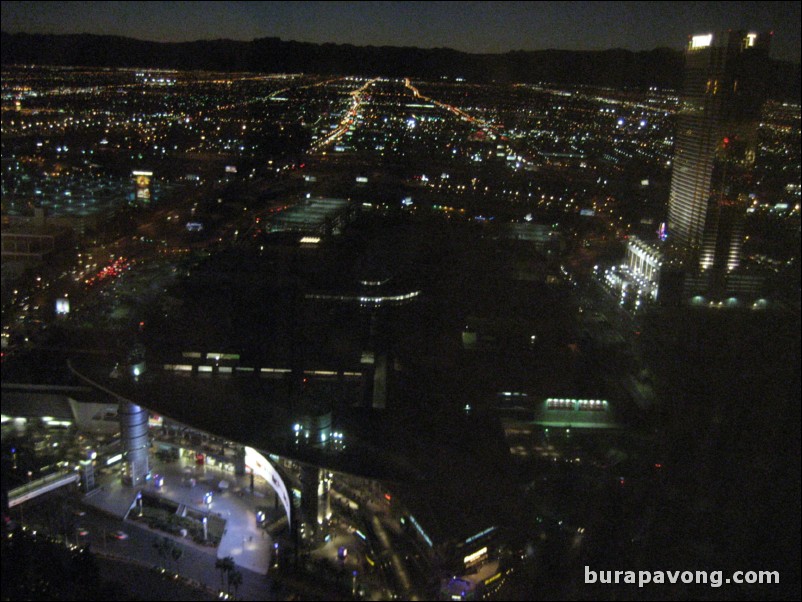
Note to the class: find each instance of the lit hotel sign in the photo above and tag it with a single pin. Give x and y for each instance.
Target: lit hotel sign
(62, 306)
(142, 181)
(477, 556)
(702, 41)
(261, 466)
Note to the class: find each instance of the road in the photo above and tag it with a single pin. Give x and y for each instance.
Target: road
(357, 99)
(488, 127)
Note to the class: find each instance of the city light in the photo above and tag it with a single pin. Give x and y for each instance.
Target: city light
(450, 296)
(702, 41)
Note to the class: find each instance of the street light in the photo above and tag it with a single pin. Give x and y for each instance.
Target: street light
(274, 564)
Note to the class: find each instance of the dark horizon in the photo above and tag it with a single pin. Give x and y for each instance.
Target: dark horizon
(473, 27)
(616, 68)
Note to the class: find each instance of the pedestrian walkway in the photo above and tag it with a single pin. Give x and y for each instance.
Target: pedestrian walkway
(186, 483)
(112, 497)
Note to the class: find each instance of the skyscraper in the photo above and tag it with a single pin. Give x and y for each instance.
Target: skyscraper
(714, 149)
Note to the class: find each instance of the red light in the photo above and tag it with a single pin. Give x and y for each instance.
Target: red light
(658, 466)
(388, 497)
(726, 141)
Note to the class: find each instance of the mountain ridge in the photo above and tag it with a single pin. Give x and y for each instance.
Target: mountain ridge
(616, 67)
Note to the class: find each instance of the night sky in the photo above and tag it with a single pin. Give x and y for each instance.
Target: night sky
(467, 26)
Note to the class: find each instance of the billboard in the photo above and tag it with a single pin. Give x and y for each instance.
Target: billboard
(261, 466)
(62, 306)
(142, 181)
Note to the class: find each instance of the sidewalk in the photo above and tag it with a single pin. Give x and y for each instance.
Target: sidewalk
(248, 545)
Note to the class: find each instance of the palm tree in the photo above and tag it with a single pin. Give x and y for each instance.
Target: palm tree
(218, 564)
(84, 570)
(225, 565)
(162, 548)
(176, 552)
(234, 580)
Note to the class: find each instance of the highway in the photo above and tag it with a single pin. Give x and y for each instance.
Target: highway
(489, 128)
(347, 120)
(398, 567)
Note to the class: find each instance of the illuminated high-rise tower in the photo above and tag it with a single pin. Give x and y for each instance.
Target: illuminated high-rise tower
(714, 149)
